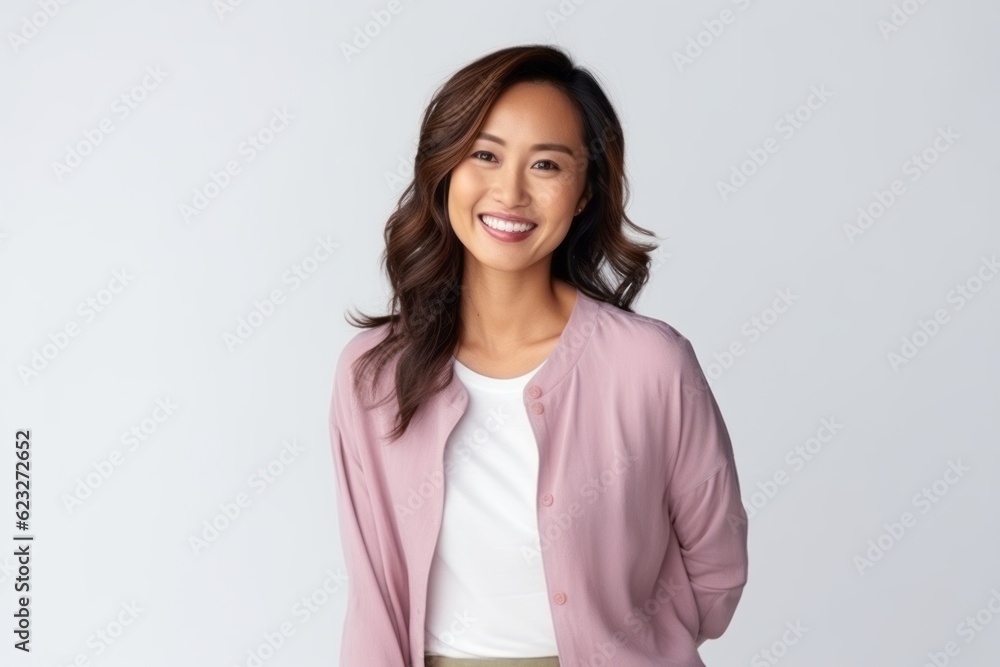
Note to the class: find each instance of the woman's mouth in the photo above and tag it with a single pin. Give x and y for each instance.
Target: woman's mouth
(505, 230)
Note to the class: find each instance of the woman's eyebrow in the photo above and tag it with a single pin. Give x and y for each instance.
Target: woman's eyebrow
(537, 147)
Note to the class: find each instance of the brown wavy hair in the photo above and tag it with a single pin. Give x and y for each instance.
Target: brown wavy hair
(424, 258)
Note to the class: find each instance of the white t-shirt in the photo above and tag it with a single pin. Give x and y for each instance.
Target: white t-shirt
(486, 595)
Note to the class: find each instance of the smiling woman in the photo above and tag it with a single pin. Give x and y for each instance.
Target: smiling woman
(547, 479)
(518, 196)
(522, 191)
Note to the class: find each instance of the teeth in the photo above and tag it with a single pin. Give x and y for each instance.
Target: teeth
(506, 225)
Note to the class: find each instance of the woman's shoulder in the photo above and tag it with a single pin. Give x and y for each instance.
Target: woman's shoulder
(648, 351)
(657, 342)
(362, 341)
(356, 346)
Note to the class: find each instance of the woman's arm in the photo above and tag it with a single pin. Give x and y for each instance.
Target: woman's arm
(710, 524)
(708, 518)
(371, 634)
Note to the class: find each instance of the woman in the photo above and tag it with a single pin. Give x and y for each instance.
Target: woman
(547, 479)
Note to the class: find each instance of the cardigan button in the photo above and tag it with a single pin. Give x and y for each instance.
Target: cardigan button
(547, 499)
(537, 408)
(535, 392)
(560, 598)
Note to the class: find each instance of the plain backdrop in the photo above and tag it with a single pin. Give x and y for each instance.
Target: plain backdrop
(822, 179)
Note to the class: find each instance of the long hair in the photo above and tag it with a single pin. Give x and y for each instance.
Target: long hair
(424, 258)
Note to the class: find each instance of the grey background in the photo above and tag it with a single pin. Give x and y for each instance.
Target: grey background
(335, 171)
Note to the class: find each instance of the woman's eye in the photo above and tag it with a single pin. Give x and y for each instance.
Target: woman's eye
(551, 166)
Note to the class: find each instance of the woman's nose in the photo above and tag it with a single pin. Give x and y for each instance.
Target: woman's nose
(509, 188)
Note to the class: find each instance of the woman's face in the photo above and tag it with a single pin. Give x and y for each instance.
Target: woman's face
(528, 163)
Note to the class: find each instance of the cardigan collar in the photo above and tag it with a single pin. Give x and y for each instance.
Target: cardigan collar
(564, 355)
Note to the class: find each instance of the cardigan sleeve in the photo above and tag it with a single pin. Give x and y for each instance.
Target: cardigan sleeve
(371, 635)
(706, 509)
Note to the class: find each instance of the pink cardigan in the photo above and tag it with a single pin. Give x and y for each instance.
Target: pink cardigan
(643, 533)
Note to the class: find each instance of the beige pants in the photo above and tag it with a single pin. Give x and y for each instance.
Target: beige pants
(443, 661)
